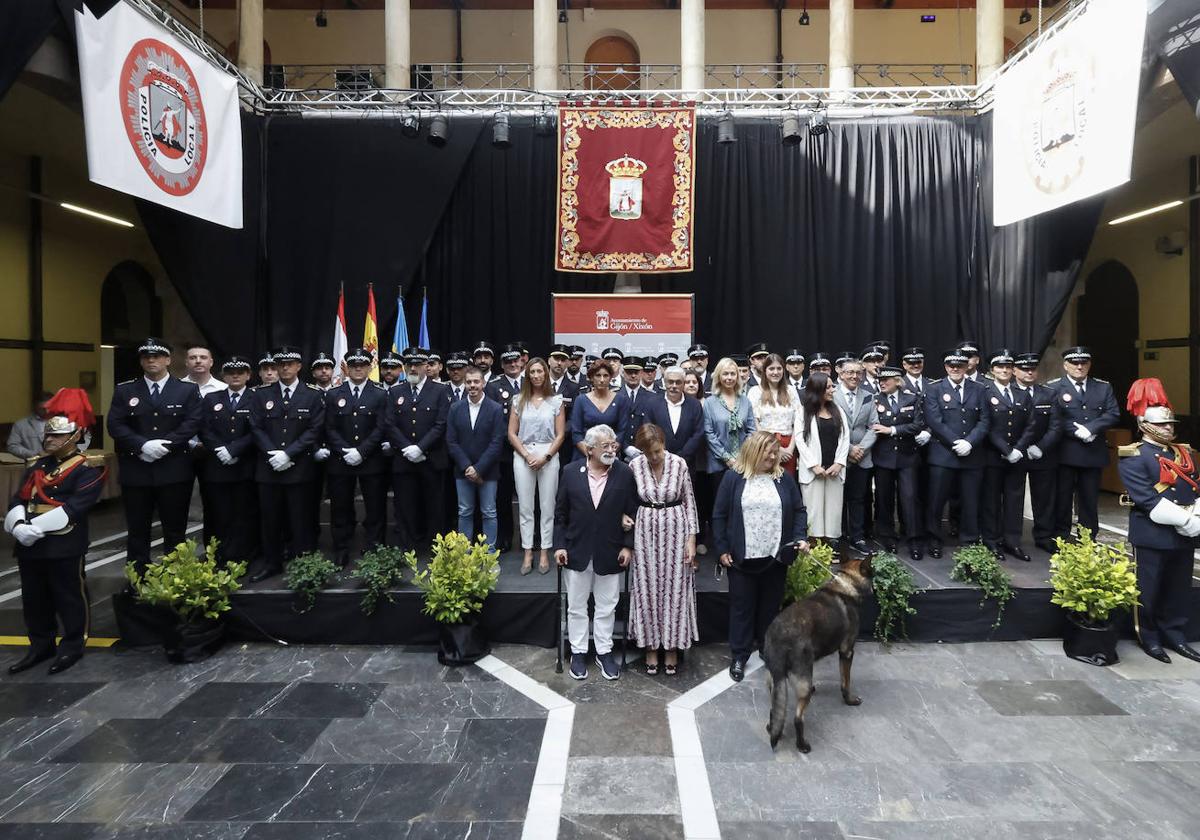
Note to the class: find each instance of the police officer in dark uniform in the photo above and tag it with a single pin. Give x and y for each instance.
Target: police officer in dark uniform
(391, 369)
(502, 389)
(1087, 409)
(1004, 471)
(872, 360)
(416, 428)
(793, 362)
(913, 360)
(355, 420)
(484, 356)
(267, 374)
(1162, 482)
(577, 354)
(640, 399)
(287, 419)
(151, 420)
(955, 415)
(820, 363)
(898, 421)
(698, 353)
(757, 354)
(457, 363)
(227, 467)
(1041, 453)
(560, 381)
(320, 369)
(49, 520)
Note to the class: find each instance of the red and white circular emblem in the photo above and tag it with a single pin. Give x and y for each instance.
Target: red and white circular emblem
(133, 401)
(218, 407)
(163, 116)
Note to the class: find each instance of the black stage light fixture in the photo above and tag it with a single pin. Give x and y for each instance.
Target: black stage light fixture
(804, 14)
(439, 130)
(320, 19)
(818, 124)
(544, 123)
(725, 128)
(1025, 16)
(410, 124)
(791, 128)
(500, 131)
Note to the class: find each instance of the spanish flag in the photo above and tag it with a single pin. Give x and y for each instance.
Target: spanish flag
(370, 334)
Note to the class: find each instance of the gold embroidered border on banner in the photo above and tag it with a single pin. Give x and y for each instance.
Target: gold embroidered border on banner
(572, 122)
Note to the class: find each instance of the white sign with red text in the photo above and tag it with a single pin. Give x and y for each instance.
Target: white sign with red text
(639, 325)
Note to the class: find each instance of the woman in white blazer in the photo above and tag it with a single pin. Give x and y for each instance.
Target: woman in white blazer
(822, 438)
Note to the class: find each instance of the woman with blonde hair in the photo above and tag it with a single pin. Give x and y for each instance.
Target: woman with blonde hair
(728, 419)
(822, 446)
(775, 409)
(536, 430)
(759, 523)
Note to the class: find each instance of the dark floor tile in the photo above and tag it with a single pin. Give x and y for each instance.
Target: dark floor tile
(135, 741)
(33, 739)
(409, 792)
(1046, 697)
(327, 831)
(784, 831)
(488, 791)
(325, 700)
(607, 826)
(460, 830)
(386, 740)
(226, 700)
(603, 729)
(500, 739)
(175, 831)
(47, 831)
(41, 699)
(287, 792)
(261, 740)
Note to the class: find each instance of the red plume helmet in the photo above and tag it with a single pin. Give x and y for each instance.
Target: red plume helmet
(1143, 394)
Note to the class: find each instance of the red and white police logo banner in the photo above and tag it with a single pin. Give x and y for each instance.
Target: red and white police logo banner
(1064, 116)
(161, 122)
(626, 186)
(640, 325)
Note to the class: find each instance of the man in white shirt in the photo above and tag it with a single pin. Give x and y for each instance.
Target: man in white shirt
(199, 366)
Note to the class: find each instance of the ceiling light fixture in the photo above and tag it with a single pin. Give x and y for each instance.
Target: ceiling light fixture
(75, 208)
(1025, 16)
(1139, 214)
(804, 19)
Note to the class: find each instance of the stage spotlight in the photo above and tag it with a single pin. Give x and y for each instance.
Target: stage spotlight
(321, 20)
(1025, 16)
(818, 124)
(725, 128)
(804, 14)
(791, 128)
(410, 124)
(439, 130)
(500, 131)
(544, 123)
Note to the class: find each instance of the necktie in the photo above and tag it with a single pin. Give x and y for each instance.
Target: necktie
(892, 403)
(1008, 395)
(355, 390)
(959, 388)
(233, 401)
(457, 394)
(154, 392)
(1081, 389)
(287, 394)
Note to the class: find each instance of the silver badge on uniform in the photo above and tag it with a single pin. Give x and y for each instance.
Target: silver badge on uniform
(218, 407)
(270, 404)
(133, 401)
(342, 402)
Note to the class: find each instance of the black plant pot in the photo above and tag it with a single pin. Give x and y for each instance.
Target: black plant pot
(195, 641)
(462, 643)
(1095, 645)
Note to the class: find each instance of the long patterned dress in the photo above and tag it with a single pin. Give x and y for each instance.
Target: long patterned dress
(663, 588)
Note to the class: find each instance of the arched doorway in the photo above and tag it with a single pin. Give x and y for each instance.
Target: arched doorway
(1107, 322)
(129, 311)
(615, 64)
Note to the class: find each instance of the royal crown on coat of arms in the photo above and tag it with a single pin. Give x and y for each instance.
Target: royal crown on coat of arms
(625, 187)
(626, 167)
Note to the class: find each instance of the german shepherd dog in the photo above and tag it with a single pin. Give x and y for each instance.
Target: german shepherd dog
(814, 627)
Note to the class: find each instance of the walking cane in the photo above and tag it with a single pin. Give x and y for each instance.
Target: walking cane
(628, 609)
(558, 642)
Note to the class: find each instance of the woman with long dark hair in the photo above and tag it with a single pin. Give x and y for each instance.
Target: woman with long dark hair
(599, 406)
(536, 430)
(775, 409)
(822, 445)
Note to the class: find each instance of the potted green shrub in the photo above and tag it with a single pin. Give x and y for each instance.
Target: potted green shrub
(1090, 581)
(381, 570)
(977, 564)
(811, 569)
(196, 589)
(458, 578)
(306, 575)
(894, 588)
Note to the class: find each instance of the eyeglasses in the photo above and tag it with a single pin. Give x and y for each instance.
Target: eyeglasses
(611, 445)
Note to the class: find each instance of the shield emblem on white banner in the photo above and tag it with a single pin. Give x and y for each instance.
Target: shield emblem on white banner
(625, 187)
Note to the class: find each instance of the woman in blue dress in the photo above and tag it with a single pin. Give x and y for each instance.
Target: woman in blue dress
(598, 405)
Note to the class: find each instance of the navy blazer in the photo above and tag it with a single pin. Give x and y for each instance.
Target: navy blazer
(729, 529)
(74, 487)
(688, 441)
(898, 451)
(1044, 427)
(1008, 424)
(296, 428)
(421, 421)
(639, 408)
(591, 533)
(1141, 474)
(1097, 410)
(356, 424)
(949, 420)
(223, 426)
(479, 447)
(133, 419)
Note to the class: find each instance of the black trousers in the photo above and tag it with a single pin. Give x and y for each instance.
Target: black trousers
(232, 509)
(50, 589)
(754, 601)
(1043, 499)
(942, 483)
(374, 487)
(856, 493)
(418, 496)
(505, 490)
(1003, 512)
(887, 481)
(1164, 578)
(286, 516)
(171, 501)
(1081, 484)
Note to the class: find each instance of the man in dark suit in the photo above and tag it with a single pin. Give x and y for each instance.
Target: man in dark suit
(898, 421)
(575, 366)
(1009, 435)
(227, 465)
(151, 420)
(416, 428)
(640, 400)
(355, 416)
(558, 361)
(288, 419)
(1087, 409)
(915, 381)
(681, 419)
(475, 433)
(858, 404)
(590, 541)
(1041, 456)
(955, 416)
(501, 390)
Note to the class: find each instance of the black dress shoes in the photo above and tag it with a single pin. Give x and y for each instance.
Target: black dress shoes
(30, 659)
(935, 551)
(860, 546)
(64, 662)
(1186, 651)
(737, 669)
(264, 573)
(889, 546)
(1156, 652)
(914, 551)
(1047, 546)
(1018, 552)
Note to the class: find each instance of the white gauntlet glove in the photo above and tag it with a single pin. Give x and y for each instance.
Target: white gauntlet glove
(14, 516)
(413, 453)
(27, 534)
(279, 460)
(961, 448)
(1033, 453)
(923, 437)
(385, 447)
(1192, 528)
(321, 454)
(223, 456)
(152, 450)
(1081, 432)
(1013, 456)
(352, 457)
(632, 452)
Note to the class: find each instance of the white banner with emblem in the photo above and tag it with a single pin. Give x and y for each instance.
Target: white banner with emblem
(161, 122)
(1064, 116)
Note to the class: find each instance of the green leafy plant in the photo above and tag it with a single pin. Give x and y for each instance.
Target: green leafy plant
(381, 570)
(188, 582)
(307, 575)
(894, 589)
(976, 564)
(1092, 579)
(459, 576)
(811, 569)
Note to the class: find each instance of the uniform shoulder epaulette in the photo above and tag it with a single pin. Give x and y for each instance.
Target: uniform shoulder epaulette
(1055, 380)
(1098, 379)
(935, 381)
(378, 385)
(127, 382)
(1186, 446)
(314, 387)
(1129, 449)
(260, 386)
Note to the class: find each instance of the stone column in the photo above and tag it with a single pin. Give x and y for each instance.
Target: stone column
(841, 44)
(691, 44)
(397, 43)
(545, 45)
(250, 38)
(989, 38)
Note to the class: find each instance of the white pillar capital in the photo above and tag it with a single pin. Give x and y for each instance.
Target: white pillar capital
(545, 45)
(841, 44)
(691, 44)
(397, 43)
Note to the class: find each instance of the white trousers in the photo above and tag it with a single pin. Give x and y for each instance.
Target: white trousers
(606, 589)
(823, 500)
(532, 484)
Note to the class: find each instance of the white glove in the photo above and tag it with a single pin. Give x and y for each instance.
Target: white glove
(321, 454)
(1169, 513)
(413, 453)
(923, 437)
(1081, 432)
(14, 516)
(279, 460)
(632, 452)
(961, 448)
(152, 450)
(51, 520)
(1013, 456)
(194, 443)
(223, 455)
(27, 534)
(1033, 453)
(385, 447)
(1192, 528)
(352, 457)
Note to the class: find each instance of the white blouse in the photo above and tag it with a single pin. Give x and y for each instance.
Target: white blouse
(771, 418)
(762, 515)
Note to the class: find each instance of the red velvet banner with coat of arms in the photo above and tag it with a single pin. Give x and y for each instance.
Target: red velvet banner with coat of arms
(626, 188)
